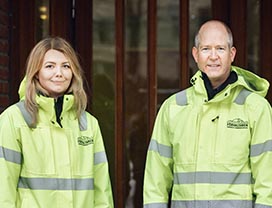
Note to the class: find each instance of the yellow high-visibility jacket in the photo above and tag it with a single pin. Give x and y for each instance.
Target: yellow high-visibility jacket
(50, 166)
(212, 153)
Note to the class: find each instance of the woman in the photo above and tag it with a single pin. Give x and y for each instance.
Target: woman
(51, 150)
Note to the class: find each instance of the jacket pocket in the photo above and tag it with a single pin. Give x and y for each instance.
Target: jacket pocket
(37, 149)
(232, 146)
(83, 162)
(82, 154)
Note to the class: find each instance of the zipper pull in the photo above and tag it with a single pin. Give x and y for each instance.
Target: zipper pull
(214, 119)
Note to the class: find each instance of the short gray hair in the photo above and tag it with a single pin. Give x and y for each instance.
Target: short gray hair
(230, 37)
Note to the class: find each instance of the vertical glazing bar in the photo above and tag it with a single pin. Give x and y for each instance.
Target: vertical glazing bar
(221, 10)
(83, 40)
(61, 19)
(184, 43)
(238, 12)
(119, 104)
(266, 42)
(152, 75)
(253, 40)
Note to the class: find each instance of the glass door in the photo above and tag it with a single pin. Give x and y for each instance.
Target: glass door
(135, 54)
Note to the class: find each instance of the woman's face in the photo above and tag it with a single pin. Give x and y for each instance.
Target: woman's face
(55, 75)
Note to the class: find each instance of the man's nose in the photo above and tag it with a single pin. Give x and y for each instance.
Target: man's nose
(214, 54)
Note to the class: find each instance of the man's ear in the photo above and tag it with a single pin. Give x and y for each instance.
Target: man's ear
(195, 53)
(232, 53)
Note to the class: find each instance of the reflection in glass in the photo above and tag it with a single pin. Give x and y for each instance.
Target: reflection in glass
(135, 99)
(103, 75)
(200, 11)
(253, 31)
(42, 18)
(168, 68)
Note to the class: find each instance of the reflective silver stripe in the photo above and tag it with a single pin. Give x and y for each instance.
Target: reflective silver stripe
(100, 157)
(162, 149)
(156, 205)
(83, 121)
(258, 149)
(241, 98)
(10, 155)
(213, 203)
(181, 98)
(56, 183)
(262, 206)
(212, 177)
(25, 113)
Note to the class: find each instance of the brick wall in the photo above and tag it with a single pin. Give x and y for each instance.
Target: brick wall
(4, 54)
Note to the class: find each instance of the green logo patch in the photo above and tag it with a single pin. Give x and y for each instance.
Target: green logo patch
(237, 123)
(84, 140)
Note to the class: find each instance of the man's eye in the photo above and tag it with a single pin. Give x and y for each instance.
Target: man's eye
(205, 49)
(221, 49)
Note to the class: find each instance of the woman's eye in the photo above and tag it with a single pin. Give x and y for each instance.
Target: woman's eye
(66, 66)
(49, 66)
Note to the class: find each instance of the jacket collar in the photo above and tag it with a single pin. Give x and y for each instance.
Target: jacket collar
(47, 104)
(211, 92)
(246, 79)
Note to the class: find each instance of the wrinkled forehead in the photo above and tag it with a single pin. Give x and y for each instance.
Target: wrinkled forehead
(213, 35)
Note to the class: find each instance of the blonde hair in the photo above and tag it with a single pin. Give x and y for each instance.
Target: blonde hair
(34, 64)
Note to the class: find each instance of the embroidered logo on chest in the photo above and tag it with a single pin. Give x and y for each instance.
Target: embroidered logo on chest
(84, 140)
(237, 123)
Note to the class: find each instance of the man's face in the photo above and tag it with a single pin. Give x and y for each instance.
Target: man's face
(213, 55)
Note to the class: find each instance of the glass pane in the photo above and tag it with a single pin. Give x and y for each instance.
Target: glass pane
(103, 87)
(253, 31)
(199, 12)
(168, 69)
(135, 99)
(42, 18)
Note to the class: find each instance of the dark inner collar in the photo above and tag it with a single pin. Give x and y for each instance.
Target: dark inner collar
(58, 108)
(212, 92)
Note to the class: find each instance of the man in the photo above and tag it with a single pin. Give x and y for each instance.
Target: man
(211, 145)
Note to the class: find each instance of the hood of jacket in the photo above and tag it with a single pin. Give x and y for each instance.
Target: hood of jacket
(22, 89)
(43, 101)
(246, 79)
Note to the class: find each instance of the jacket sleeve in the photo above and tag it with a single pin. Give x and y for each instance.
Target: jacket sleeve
(158, 176)
(261, 155)
(10, 161)
(102, 185)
